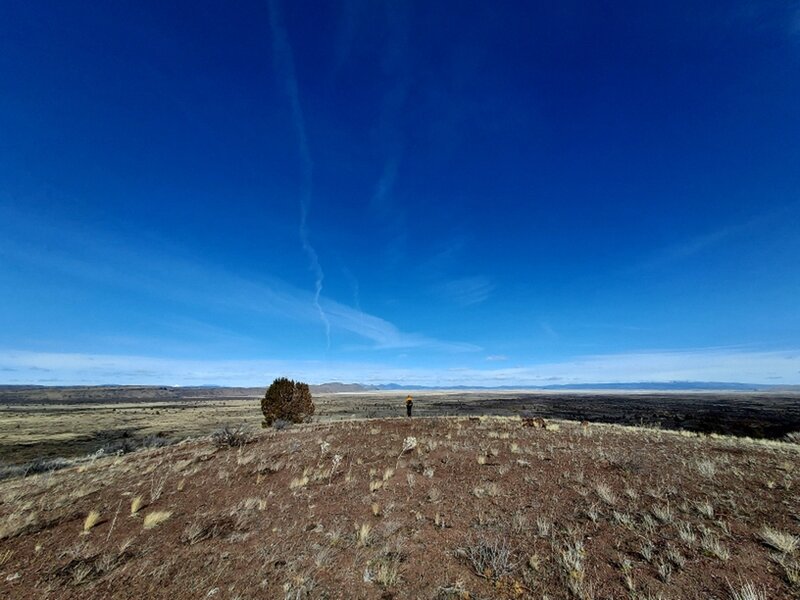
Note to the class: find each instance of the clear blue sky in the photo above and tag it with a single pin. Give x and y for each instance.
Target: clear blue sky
(421, 192)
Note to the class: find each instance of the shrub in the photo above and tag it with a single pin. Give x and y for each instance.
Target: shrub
(127, 444)
(288, 400)
(491, 559)
(232, 437)
(46, 465)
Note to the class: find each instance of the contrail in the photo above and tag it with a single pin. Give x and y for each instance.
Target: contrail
(284, 66)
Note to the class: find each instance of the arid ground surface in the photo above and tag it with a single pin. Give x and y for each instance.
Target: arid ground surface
(69, 422)
(475, 508)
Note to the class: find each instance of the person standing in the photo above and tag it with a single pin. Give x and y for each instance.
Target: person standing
(409, 405)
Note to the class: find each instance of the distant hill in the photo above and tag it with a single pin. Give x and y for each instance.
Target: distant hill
(335, 387)
(122, 393)
(640, 385)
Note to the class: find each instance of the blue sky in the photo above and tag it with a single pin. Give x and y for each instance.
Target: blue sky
(420, 192)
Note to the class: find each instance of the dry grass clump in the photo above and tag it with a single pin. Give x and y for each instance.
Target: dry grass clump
(647, 550)
(18, 523)
(5, 556)
(543, 526)
(712, 546)
(300, 586)
(410, 443)
(779, 540)
(705, 508)
(624, 519)
(364, 534)
(136, 505)
(491, 489)
(383, 570)
(675, 557)
(686, 533)
(157, 486)
(155, 518)
(707, 468)
(663, 513)
(605, 494)
(571, 559)
(452, 591)
(298, 482)
(91, 520)
(747, 591)
(791, 569)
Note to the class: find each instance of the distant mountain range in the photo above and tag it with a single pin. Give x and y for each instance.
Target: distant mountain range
(640, 385)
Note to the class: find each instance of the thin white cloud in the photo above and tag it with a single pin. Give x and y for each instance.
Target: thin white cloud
(496, 357)
(165, 276)
(690, 248)
(720, 365)
(465, 291)
(284, 66)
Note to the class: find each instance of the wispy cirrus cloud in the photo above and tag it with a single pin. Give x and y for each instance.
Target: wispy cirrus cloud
(690, 248)
(465, 291)
(126, 265)
(284, 67)
(719, 365)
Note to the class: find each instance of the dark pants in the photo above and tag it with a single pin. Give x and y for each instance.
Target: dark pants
(408, 410)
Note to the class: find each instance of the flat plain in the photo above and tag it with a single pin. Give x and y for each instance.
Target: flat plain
(70, 422)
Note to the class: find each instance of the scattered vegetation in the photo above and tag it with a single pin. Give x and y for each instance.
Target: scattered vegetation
(619, 513)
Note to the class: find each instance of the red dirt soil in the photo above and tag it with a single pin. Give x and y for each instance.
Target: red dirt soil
(246, 524)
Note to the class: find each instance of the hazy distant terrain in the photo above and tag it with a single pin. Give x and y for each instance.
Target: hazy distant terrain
(138, 393)
(74, 421)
